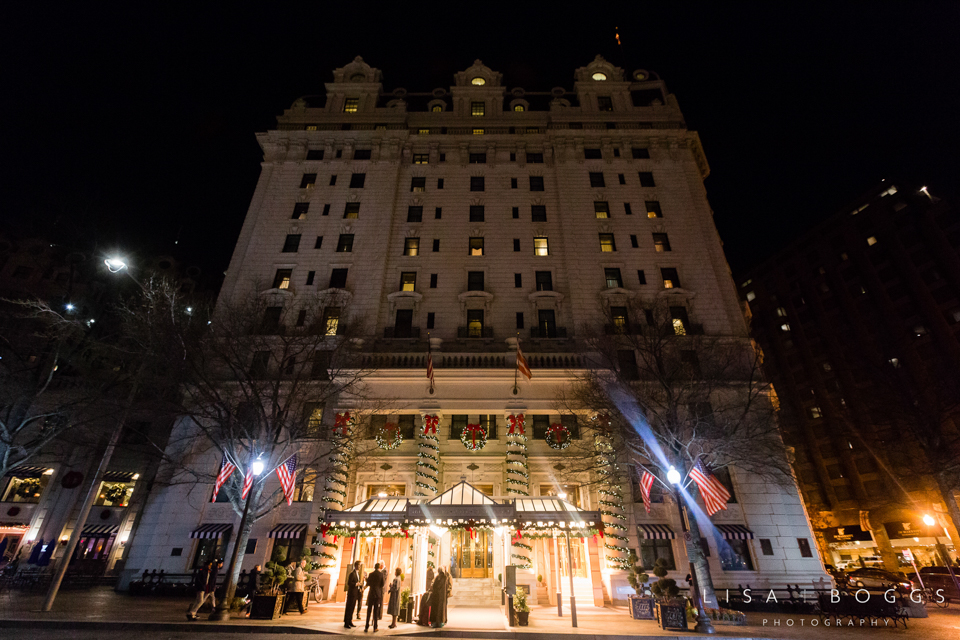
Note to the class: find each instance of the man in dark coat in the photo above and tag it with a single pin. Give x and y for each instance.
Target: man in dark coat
(354, 588)
(374, 596)
(438, 599)
(363, 581)
(386, 581)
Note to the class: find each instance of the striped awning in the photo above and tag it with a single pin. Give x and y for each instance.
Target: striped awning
(657, 531)
(211, 530)
(734, 532)
(100, 530)
(119, 476)
(288, 530)
(28, 472)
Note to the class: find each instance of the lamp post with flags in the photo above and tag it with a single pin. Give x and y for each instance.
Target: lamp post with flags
(703, 621)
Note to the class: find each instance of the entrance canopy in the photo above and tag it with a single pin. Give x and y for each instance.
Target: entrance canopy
(464, 504)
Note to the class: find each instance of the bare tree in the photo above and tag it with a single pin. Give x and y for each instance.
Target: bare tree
(659, 394)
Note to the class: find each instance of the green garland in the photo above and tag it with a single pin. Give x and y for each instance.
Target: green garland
(517, 465)
(472, 441)
(428, 459)
(339, 457)
(611, 504)
(386, 443)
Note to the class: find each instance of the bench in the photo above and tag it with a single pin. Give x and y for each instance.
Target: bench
(875, 609)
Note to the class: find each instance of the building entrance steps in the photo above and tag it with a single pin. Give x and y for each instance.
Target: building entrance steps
(582, 589)
(475, 592)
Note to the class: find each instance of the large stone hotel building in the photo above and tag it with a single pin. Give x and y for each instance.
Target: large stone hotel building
(458, 221)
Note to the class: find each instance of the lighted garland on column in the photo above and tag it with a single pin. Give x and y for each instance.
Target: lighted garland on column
(611, 497)
(428, 457)
(335, 485)
(518, 478)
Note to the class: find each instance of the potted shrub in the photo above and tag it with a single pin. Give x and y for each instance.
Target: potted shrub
(521, 607)
(641, 604)
(671, 609)
(268, 602)
(406, 607)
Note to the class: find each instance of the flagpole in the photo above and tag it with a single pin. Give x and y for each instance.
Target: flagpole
(430, 361)
(703, 622)
(222, 612)
(516, 369)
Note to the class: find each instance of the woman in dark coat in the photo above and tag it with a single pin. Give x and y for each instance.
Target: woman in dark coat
(438, 599)
(393, 606)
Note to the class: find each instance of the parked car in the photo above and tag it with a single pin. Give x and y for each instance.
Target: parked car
(871, 578)
(939, 578)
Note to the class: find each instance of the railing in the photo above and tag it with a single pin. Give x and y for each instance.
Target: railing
(556, 333)
(466, 333)
(401, 333)
(468, 361)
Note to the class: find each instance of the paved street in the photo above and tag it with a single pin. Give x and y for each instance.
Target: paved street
(101, 612)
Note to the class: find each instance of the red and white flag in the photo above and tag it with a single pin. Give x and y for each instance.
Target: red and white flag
(646, 481)
(247, 484)
(715, 495)
(226, 470)
(286, 472)
(522, 365)
(430, 365)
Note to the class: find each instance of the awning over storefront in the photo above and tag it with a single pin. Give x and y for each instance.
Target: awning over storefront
(849, 533)
(381, 510)
(657, 531)
(28, 472)
(119, 476)
(734, 532)
(13, 527)
(217, 530)
(100, 530)
(294, 530)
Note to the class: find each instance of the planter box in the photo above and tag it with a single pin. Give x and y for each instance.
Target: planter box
(642, 607)
(672, 616)
(406, 613)
(267, 607)
(523, 618)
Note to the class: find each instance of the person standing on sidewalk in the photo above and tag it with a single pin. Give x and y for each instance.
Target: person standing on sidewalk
(353, 588)
(205, 583)
(363, 582)
(374, 597)
(393, 606)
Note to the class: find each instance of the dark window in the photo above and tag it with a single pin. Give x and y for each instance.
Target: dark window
(308, 180)
(478, 158)
(431, 319)
(438, 213)
(734, 555)
(319, 243)
(281, 280)
(326, 210)
(259, 364)
(516, 244)
(518, 280)
(513, 157)
(544, 280)
(596, 179)
(357, 180)
(691, 363)
(443, 156)
(338, 279)
(314, 154)
(440, 180)
(607, 243)
(403, 325)
(601, 209)
(621, 322)
(414, 214)
(302, 314)
(418, 185)
(547, 323)
(805, 551)
(627, 362)
(476, 247)
(622, 179)
(311, 275)
(538, 212)
(640, 154)
(513, 183)
(652, 550)
(351, 210)
(361, 154)
(516, 213)
(408, 281)
(536, 183)
(291, 244)
(653, 209)
(436, 245)
(333, 178)
(489, 424)
(592, 154)
(614, 280)
(572, 425)
(407, 425)
(519, 319)
(457, 425)
(541, 424)
(604, 103)
(345, 243)
(661, 243)
(178, 551)
(671, 279)
(300, 211)
(646, 179)
(475, 281)
(680, 320)
(616, 154)
(411, 246)
(626, 209)
(475, 323)
(476, 183)
(476, 213)
(433, 280)
(271, 320)
(766, 547)
(634, 242)
(535, 158)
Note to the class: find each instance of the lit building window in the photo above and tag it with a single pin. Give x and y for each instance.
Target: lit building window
(871, 241)
(599, 76)
(408, 281)
(785, 326)
(478, 81)
(282, 279)
(476, 108)
(541, 247)
(781, 312)
(751, 296)
(351, 105)
(671, 279)
(519, 107)
(423, 132)
(421, 158)
(607, 243)
(411, 246)
(436, 108)
(478, 132)
(601, 209)
(815, 413)
(331, 320)
(476, 246)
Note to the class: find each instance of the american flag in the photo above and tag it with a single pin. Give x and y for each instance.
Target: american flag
(715, 495)
(430, 365)
(226, 469)
(247, 484)
(286, 473)
(646, 481)
(522, 365)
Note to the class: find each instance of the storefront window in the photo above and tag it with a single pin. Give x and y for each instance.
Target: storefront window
(734, 555)
(287, 550)
(651, 550)
(25, 489)
(209, 549)
(115, 494)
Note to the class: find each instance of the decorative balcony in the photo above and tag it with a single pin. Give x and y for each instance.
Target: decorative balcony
(467, 333)
(401, 333)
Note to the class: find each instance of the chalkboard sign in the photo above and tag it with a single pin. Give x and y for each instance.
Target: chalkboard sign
(672, 616)
(641, 608)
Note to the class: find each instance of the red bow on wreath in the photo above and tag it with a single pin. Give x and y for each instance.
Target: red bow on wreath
(430, 424)
(342, 423)
(474, 430)
(323, 530)
(559, 432)
(406, 533)
(516, 424)
(334, 539)
(391, 429)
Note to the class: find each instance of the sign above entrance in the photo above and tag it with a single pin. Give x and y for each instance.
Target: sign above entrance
(904, 529)
(849, 533)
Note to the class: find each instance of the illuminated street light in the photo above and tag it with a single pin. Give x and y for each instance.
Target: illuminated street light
(673, 476)
(257, 467)
(69, 306)
(115, 265)
(928, 520)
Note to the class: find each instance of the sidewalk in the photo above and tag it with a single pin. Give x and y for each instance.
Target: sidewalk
(103, 609)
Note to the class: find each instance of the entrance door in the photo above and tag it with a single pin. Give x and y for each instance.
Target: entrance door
(576, 554)
(473, 556)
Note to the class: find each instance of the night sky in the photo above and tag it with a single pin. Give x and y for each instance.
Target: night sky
(130, 127)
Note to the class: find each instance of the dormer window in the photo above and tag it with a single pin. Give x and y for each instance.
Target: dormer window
(478, 81)
(351, 105)
(436, 108)
(358, 77)
(519, 107)
(598, 76)
(476, 108)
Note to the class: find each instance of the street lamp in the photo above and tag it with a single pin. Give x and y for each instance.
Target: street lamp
(703, 621)
(115, 265)
(942, 549)
(222, 612)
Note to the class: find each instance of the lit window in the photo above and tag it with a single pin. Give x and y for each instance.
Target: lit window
(815, 412)
(894, 362)
(540, 247)
(671, 280)
(601, 209)
(421, 158)
(599, 76)
(680, 320)
(411, 246)
(785, 326)
(653, 209)
(476, 108)
(478, 81)
(519, 107)
(436, 108)
(25, 488)
(423, 132)
(660, 242)
(751, 296)
(607, 243)
(282, 279)
(478, 132)
(351, 210)
(871, 241)
(408, 281)
(331, 320)
(311, 127)
(345, 243)
(418, 185)
(476, 247)
(308, 181)
(351, 105)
